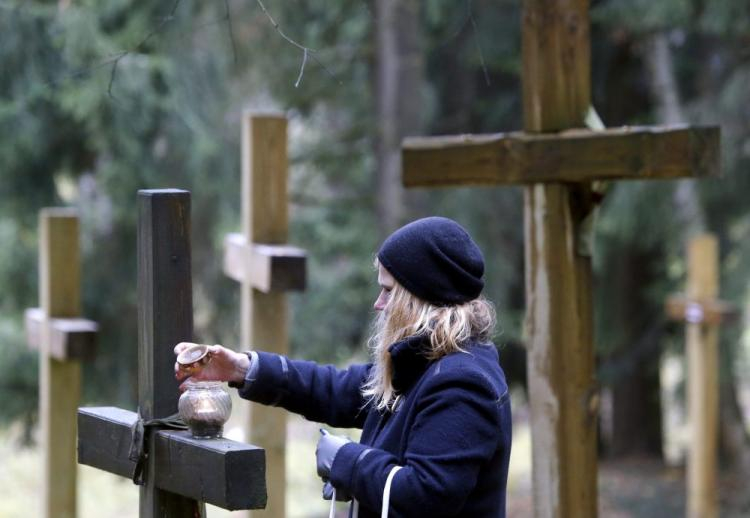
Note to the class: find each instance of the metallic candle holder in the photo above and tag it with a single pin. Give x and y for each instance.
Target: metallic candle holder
(204, 407)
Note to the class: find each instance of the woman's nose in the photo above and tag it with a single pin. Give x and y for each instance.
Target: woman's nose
(381, 301)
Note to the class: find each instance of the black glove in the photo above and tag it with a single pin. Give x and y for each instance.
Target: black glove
(328, 446)
(341, 495)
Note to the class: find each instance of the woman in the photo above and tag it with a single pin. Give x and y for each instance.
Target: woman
(433, 406)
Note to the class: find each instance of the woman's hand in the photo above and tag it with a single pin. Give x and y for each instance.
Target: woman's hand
(223, 365)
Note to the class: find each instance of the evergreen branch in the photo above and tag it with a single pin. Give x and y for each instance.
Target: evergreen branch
(140, 45)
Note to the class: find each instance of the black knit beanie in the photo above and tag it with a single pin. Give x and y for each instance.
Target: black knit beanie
(436, 260)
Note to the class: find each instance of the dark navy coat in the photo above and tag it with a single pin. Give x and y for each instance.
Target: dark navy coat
(451, 430)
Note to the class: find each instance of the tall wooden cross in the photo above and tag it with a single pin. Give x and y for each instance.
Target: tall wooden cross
(180, 472)
(266, 268)
(703, 312)
(63, 340)
(557, 164)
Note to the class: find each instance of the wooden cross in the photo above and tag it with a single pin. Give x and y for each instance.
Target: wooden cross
(557, 163)
(63, 340)
(181, 472)
(266, 268)
(702, 312)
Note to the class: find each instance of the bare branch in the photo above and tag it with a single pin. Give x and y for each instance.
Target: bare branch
(115, 62)
(479, 46)
(231, 32)
(307, 51)
(301, 69)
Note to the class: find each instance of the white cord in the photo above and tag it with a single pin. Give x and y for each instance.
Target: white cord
(332, 512)
(387, 491)
(355, 502)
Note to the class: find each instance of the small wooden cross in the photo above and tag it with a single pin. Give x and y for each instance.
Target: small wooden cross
(266, 268)
(63, 340)
(703, 313)
(556, 159)
(181, 472)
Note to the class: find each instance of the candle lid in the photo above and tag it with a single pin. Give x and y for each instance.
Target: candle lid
(192, 354)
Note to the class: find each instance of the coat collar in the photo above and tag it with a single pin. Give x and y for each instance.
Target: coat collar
(409, 361)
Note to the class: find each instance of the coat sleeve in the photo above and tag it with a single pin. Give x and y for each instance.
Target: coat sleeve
(456, 431)
(320, 393)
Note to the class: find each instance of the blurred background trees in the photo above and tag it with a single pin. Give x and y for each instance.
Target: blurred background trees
(98, 100)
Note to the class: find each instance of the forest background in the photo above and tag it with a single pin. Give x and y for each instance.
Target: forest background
(100, 99)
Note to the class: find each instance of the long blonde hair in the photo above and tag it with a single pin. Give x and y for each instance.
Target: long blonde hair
(448, 328)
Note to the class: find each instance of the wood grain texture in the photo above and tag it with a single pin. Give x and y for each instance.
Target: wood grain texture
(165, 318)
(556, 78)
(60, 381)
(703, 381)
(220, 472)
(578, 155)
(562, 388)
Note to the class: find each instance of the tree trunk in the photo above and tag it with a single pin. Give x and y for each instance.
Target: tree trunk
(399, 72)
(636, 406)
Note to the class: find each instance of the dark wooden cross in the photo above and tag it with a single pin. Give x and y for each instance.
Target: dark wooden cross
(63, 340)
(558, 160)
(703, 313)
(181, 472)
(266, 268)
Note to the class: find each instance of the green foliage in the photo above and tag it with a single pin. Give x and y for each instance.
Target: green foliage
(101, 99)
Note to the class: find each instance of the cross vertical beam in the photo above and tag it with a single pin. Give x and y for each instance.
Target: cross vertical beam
(556, 79)
(703, 383)
(263, 306)
(60, 380)
(165, 318)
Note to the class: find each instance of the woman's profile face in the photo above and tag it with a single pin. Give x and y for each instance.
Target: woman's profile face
(386, 282)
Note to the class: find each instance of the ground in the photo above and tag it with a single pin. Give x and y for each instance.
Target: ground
(633, 488)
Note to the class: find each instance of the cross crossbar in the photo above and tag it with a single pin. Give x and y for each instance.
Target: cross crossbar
(220, 472)
(709, 312)
(69, 338)
(265, 267)
(575, 155)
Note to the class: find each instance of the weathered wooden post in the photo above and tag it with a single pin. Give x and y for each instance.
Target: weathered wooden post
(180, 473)
(266, 268)
(63, 340)
(700, 308)
(558, 164)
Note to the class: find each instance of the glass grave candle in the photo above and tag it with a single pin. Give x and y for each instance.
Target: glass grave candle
(204, 407)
